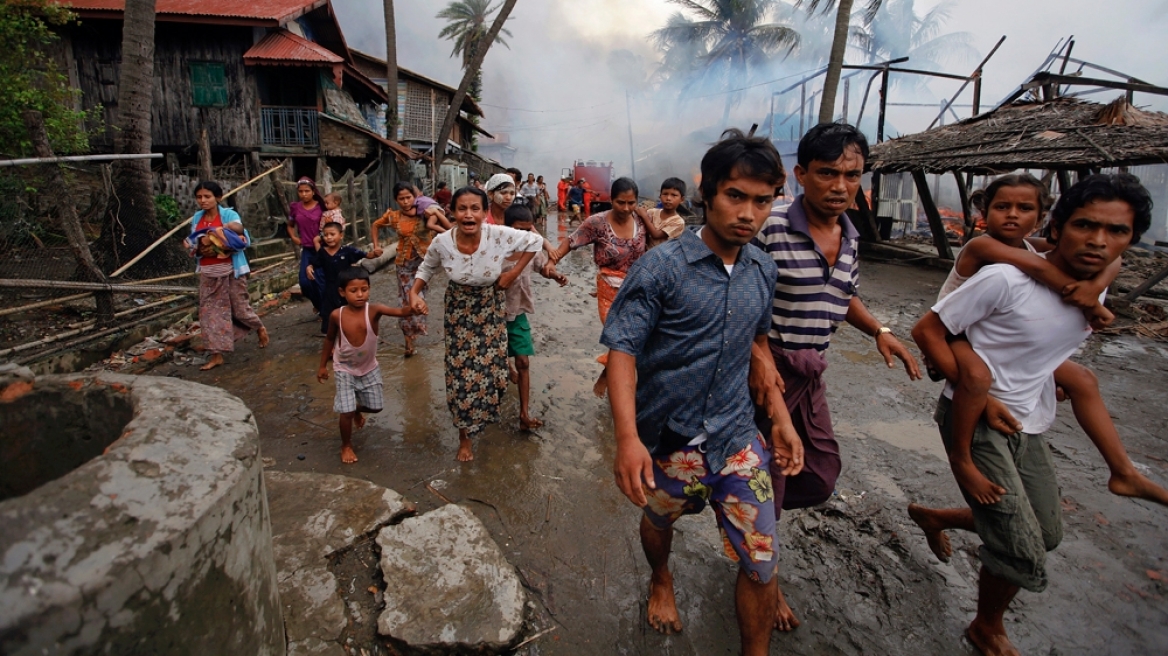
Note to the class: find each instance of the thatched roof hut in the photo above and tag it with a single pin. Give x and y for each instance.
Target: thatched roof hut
(1059, 134)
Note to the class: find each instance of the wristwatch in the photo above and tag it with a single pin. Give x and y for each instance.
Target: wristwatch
(881, 330)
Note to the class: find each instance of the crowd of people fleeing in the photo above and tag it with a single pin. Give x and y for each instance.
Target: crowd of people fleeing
(716, 342)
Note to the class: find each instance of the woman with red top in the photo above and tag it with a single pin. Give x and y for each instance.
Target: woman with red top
(304, 228)
(217, 239)
(618, 238)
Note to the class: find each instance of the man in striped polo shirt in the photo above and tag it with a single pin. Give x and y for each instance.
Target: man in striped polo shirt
(815, 247)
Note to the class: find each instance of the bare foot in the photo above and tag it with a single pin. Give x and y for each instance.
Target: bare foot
(513, 376)
(465, 450)
(348, 455)
(970, 478)
(1135, 484)
(785, 619)
(663, 606)
(934, 534)
(409, 347)
(263, 335)
(358, 420)
(215, 361)
(990, 644)
(529, 423)
(601, 386)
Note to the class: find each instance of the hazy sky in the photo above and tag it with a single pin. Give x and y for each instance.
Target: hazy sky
(557, 96)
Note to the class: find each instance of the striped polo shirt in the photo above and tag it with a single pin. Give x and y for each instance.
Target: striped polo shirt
(811, 297)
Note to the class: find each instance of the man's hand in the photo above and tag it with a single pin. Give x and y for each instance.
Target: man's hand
(890, 346)
(632, 466)
(999, 418)
(763, 374)
(787, 448)
(322, 374)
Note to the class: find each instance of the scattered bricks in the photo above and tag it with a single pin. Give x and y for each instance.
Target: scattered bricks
(152, 355)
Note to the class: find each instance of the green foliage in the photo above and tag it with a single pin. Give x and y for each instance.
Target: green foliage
(31, 79)
(467, 24)
(167, 211)
(18, 227)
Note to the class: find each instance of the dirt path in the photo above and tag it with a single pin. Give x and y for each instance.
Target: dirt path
(856, 569)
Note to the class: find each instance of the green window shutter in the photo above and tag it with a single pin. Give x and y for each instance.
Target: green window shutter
(208, 84)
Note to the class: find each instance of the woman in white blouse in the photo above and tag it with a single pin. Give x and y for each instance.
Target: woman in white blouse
(473, 255)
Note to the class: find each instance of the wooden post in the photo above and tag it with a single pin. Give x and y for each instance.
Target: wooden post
(205, 169)
(866, 225)
(935, 224)
(1146, 285)
(351, 201)
(966, 209)
(70, 222)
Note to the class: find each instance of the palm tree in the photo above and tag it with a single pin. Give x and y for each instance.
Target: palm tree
(467, 28)
(835, 64)
(472, 69)
(898, 31)
(130, 224)
(725, 40)
(390, 66)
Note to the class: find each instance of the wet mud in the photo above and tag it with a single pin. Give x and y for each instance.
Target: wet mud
(856, 570)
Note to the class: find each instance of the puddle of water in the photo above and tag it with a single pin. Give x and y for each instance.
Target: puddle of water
(919, 436)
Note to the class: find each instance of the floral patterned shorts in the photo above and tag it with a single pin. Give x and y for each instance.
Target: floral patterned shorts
(741, 495)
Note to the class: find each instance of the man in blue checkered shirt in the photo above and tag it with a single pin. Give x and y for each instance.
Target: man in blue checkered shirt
(679, 335)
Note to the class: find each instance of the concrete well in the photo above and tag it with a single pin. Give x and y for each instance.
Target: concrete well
(160, 546)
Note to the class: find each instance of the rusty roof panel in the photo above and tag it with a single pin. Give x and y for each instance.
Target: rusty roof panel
(280, 11)
(284, 47)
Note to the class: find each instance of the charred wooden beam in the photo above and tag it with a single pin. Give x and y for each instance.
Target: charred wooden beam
(936, 226)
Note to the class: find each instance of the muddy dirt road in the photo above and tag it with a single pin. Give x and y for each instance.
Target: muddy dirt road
(856, 570)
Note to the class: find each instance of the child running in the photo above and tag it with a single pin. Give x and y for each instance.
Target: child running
(332, 214)
(330, 261)
(1014, 204)
(519, 304)
(351, 342)
(666, 218)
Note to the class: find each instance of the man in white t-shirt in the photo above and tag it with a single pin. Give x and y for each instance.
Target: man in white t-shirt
(1023, 331)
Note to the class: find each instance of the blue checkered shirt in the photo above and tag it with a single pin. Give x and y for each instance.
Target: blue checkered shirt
(690, 327)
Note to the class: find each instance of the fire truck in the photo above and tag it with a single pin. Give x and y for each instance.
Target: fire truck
(599, 176)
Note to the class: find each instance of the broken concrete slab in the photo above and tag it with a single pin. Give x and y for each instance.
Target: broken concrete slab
(314, 516)
(448, 586)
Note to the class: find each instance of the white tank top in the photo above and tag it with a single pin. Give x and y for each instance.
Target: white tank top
(956, 280)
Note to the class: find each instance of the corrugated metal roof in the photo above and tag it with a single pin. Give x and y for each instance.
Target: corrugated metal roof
(284, 47)
(274, 10)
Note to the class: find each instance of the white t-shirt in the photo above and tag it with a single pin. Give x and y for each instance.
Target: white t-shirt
(481, 268)
(529, 189)
(1023, 331)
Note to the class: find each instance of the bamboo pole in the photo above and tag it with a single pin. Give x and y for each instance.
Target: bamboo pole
(40, 304)
(77, 297)
(182, 224)
(103, 333)
(95, 286)
(133, 310)
(75, 158)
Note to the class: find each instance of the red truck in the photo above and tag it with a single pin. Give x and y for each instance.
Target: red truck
(599, 176)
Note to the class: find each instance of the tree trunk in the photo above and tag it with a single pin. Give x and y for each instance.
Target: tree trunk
(391, 117)
(131, 224)
(468, 76)
(835, 64)
(67, 214)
